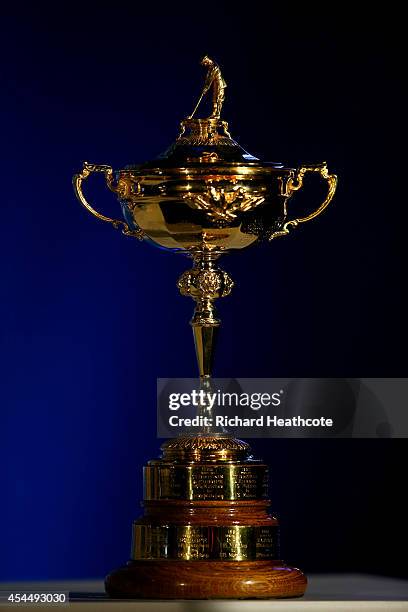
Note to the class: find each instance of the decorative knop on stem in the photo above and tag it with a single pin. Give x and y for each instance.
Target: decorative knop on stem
(205, 282)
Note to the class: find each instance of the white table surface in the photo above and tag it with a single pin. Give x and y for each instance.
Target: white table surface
(328, 592)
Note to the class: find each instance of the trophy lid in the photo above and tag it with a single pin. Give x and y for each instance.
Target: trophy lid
(205, 141)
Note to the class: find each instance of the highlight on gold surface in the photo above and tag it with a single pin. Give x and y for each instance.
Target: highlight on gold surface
(214, 80)
(194, 543)
(221, 204)
(295, 182)
(120, 189)
(209, 132)
(201, 480)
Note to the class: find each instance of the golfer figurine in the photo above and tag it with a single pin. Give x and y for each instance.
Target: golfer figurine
(213, 79)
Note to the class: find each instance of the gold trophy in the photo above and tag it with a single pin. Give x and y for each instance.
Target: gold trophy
(206, 531)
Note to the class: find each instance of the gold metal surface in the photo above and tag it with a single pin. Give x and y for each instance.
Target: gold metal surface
(205, 449)
(205, 193)
(199, 132)
(295, 182)
(214, 80)
(204, 481)
(196, 543)
(205, 282)
(121, 189)
(224, 205)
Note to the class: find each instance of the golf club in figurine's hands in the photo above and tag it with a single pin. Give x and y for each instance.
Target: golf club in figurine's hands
(206, 531)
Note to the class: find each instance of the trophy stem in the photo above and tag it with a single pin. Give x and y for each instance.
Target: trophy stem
(205, 282)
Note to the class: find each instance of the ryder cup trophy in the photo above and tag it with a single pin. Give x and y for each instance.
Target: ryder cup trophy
(206, 531)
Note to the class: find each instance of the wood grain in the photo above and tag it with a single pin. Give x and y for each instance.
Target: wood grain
(180, 512)
(206, 580)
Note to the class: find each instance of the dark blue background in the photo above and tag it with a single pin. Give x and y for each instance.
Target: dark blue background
(89, 318)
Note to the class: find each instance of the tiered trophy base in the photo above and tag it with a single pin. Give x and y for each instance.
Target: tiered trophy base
(206, 532)
(206, 580)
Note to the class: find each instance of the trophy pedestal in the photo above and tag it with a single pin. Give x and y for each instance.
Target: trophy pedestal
(206, 580)
(206, 531)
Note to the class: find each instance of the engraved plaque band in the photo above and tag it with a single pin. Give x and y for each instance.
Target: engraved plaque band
(195, 543)
(206, 482)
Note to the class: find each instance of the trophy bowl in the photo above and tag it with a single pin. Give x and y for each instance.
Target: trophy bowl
(206, 530)
(205, 193)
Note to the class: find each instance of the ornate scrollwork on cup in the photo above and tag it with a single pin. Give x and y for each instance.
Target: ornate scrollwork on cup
(128, 191)
(295, 182)
(223, 205)
(78, 179)
(127, 188)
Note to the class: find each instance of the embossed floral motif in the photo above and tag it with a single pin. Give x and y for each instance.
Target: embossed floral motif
(221, 204)
(209, 281)
(205, 283)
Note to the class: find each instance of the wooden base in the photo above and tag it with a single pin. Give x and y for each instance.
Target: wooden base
(206, 532)
(174, 579)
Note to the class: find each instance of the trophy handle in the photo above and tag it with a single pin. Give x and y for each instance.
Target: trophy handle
(295, 182)
(108, 172)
